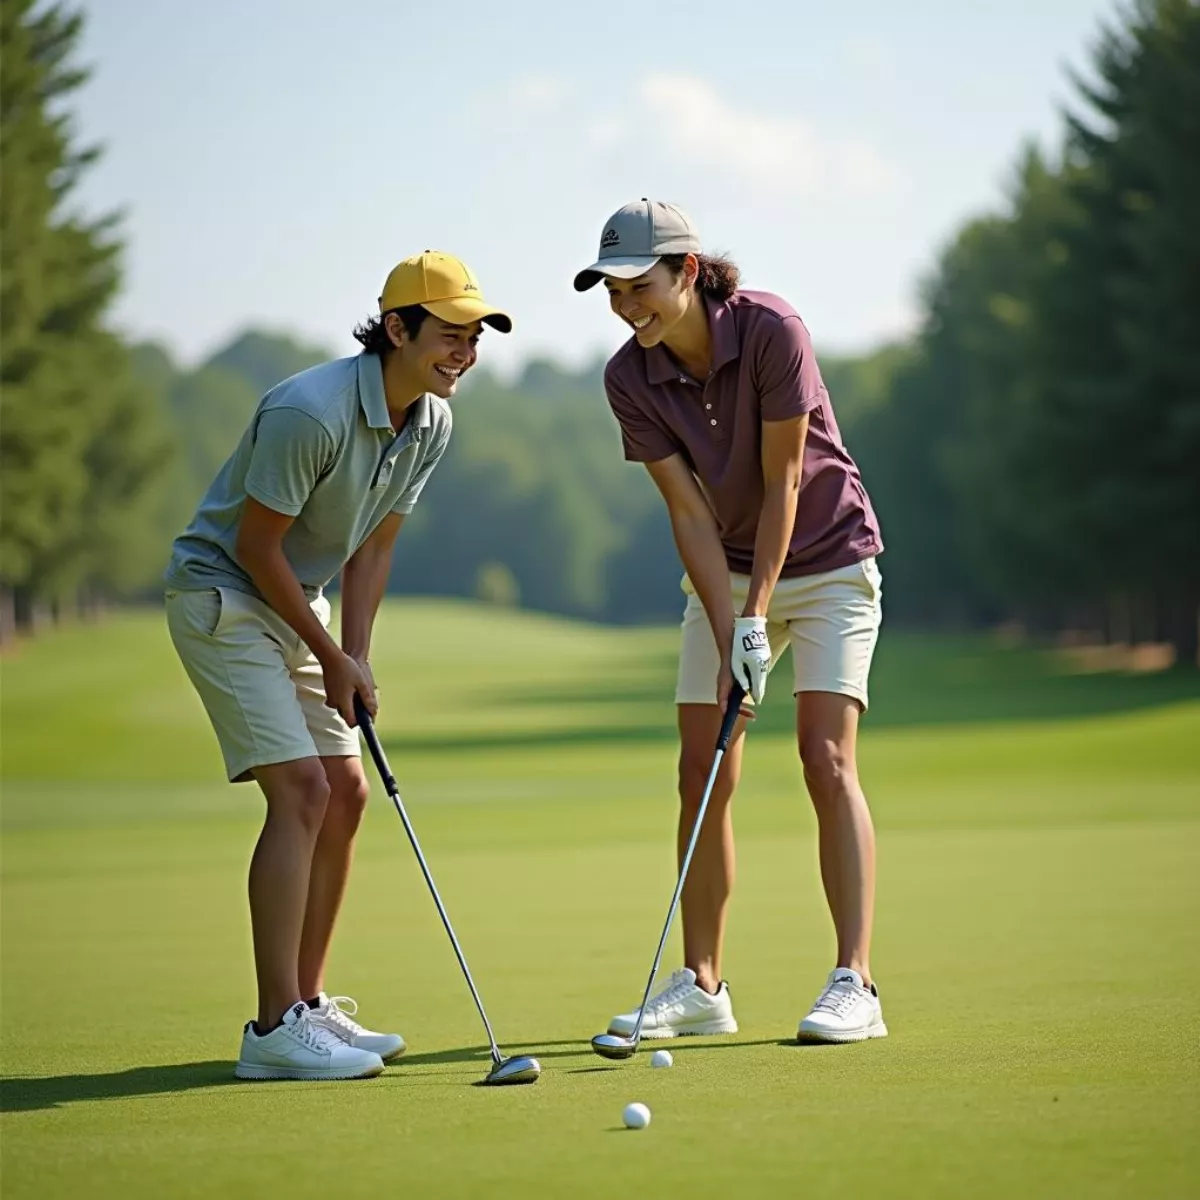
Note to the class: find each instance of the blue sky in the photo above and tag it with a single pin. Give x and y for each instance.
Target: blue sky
(275, 159)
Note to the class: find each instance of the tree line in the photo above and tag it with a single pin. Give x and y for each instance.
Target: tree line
(1033, 451)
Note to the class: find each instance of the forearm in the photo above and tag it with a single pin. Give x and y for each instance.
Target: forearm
(699, 545)
(771, 543)
(272, 574)
(364, 581)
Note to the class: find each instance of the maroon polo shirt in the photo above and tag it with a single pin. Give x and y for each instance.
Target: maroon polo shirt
(763, 369)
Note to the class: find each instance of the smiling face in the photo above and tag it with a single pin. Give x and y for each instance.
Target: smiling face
(653, 304)
(435, 358)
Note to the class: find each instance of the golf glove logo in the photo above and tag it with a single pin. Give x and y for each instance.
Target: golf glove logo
(751, 655)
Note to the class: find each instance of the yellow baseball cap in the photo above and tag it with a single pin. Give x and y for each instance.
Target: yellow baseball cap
(444, 285)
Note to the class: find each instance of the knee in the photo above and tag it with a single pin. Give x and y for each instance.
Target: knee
(303, 796)
(348, 797)
(829, 770)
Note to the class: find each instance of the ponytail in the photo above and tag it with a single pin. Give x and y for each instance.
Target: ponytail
(718, 277)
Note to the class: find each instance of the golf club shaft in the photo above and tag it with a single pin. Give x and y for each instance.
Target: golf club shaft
(389, 782)
(732, 709)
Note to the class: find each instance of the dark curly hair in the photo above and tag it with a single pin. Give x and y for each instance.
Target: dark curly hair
(372, 335)
(719, 276)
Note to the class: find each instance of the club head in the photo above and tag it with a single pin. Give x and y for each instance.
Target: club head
(518, 1069)
(609, 1045)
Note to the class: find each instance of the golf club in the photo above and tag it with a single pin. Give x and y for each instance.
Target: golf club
(611, 1045)
(519, 1068)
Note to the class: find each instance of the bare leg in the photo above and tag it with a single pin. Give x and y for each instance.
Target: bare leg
(332, 857)
(827, 730)
(296, 794)
(705, 899)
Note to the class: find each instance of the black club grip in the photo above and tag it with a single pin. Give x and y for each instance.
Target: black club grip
(736, 695)
(373, 744)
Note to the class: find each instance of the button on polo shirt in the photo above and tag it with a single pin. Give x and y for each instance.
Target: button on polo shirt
(321, 448)
(763, 369)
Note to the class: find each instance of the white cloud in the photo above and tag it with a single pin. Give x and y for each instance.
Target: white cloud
(688, 119)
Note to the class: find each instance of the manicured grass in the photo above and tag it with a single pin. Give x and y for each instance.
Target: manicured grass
(1037, 939)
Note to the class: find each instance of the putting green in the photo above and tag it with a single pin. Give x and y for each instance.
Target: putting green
(1037, 947)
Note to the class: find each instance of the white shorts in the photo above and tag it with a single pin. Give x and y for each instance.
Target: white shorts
(261, 685)
(830, 620)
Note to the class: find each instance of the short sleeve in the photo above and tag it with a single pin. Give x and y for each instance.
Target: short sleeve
(643, 438)
(789, 381)
(410, 495)
(292, 450)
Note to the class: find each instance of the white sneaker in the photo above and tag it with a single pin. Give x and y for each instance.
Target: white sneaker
(681, 1009)
(335, 1015)
(300, 1049)
(845, 1011)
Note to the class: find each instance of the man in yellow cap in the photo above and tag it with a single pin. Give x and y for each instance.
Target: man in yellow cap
(320, 484)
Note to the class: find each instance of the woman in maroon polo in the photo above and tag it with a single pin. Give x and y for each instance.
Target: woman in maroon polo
(719, 394)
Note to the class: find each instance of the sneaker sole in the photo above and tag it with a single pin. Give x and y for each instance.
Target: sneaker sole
(256, 1074)
(703, 1029)
(839, 1039)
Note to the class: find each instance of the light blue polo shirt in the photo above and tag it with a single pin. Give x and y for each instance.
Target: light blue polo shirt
(321, 449)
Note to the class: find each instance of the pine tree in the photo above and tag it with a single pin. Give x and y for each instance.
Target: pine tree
(81, 447)
(1120, 416)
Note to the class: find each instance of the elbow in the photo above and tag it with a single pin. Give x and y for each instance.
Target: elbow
(686, 518)
(242, 547)
(250, 550)
(785, 486)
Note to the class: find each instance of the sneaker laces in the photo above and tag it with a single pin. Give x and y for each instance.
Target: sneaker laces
(312, 1035)
(838, 997)
(339, 1012)
(677, 987)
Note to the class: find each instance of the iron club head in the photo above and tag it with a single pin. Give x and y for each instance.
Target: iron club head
(609, 1045)
(518, 1069)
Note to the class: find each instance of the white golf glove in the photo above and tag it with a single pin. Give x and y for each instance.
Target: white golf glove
(751, 655)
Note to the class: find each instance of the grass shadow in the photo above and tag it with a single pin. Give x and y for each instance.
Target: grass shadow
(459, 1054)
(482, 1055)
(915, 681)
(29, 1094)
(689, 1044)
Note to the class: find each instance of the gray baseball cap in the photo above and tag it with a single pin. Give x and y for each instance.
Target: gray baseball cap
(636, 237)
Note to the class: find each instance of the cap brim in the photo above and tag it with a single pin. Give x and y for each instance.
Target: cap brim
(616, 268)
(462, 310)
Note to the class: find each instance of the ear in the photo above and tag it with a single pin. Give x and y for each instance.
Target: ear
(395, 330)
(691, 270)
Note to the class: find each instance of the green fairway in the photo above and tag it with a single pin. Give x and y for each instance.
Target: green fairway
(1037, 940)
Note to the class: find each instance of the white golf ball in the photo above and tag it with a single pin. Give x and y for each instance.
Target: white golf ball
(662, 1058)
(636, 1116)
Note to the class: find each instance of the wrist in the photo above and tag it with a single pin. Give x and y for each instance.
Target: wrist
(328, 651)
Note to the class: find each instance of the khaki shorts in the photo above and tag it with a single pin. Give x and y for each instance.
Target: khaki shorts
(830, 620)
(261, 685)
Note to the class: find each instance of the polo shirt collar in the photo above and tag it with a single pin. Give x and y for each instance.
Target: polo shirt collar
(374, 402)
(370, 391)
(722, 325)
(722, 328)
(422, 413)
